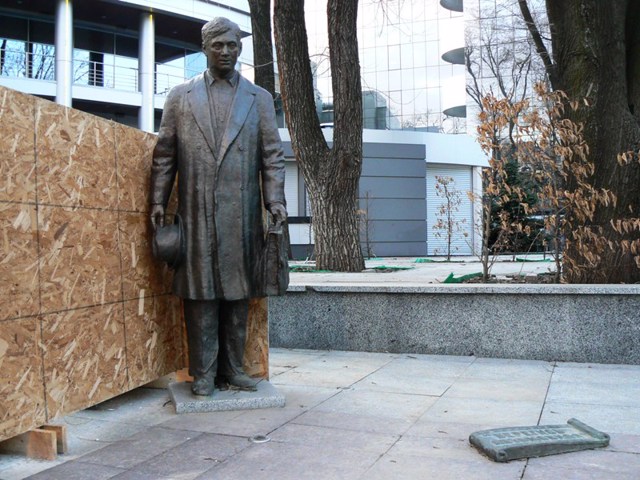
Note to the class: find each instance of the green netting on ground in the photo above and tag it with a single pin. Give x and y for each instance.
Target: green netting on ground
(519, 259)
(306, 269)
(390, 268)
(453, 279)
(431, 260)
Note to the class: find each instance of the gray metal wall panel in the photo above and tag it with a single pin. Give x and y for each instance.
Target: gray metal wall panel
(390, 187)
(394, 150)
(398, 231)
(399, 249)
(398, 167)
(288, 151)
(301, 252)
(394, 209)
(394, 175)
(379, 150)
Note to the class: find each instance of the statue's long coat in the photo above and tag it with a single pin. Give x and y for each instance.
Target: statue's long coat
(219, 195)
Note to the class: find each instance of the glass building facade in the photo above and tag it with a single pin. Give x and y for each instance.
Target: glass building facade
(502, 58)
(406, 84)
(107, 41)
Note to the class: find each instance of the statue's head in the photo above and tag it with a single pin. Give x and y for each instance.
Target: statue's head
(221, 43)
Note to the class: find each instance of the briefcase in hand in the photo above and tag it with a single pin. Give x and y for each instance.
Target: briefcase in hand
(276, 263)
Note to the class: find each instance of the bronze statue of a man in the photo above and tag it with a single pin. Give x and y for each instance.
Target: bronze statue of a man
(219, 135)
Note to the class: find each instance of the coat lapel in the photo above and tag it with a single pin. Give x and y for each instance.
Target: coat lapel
(242, 102)
(199, 102)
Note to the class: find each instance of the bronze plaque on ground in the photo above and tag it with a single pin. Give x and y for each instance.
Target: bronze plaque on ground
(505, 444)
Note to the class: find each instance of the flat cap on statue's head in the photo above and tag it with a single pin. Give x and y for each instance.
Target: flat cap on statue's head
(168, 243)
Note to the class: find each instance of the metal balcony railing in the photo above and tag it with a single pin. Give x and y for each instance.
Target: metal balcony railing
(105, 70)
(21, 59)
(26, 60)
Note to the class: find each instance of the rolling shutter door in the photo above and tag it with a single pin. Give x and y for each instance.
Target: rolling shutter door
(462, 183)
(291, 188)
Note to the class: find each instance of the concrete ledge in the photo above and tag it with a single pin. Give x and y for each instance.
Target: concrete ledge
(575, 323)
(473, 289)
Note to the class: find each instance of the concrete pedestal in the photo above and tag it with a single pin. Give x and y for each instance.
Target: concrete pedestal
(185, 402)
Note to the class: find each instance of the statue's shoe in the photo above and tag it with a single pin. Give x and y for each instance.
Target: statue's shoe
(203, 386)
(240, 381)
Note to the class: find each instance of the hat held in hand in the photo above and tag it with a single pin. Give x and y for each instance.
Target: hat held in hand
(168, 243)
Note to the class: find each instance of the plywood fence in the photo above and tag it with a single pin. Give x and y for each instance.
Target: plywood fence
(85, 312)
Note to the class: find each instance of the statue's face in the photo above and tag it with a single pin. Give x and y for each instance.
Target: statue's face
(222, 53)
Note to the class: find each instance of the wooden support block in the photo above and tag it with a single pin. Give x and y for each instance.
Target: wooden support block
(61, 436)
(183, 376)
(38, 443)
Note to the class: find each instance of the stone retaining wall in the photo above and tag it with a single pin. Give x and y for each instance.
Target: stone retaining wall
(576, 323)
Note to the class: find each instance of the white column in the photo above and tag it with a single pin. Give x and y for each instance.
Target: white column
(64, 52)
(146, 67)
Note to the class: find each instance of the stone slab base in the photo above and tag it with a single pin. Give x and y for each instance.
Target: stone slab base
(185, 402)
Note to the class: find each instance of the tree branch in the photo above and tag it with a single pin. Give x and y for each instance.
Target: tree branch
(541, 48)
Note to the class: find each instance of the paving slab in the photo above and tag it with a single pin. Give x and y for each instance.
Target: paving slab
(366, 417)
(289, 461)
(144, 406)
(377, 412)
(337, 436)
(333, 371)
(596, 373)
(593, 464)
(502, 368)
(594, 393)
(360, 423)
(606, 418)
(509, 388)
(193, 457)
(254, 422)
(454, 449)
(139, 448)
(78, 471)
(378, 404)
(416, 374)
(491, 412)
(428, 428)
(290, 359)
(621, 442)
(415, 466)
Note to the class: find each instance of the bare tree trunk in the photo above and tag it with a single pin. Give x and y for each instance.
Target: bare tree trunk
(596, 56)
(262, 44)
(3, 53)
(331, 174)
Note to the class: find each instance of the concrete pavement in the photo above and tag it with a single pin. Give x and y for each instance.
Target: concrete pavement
(353, 415)
(413, 273)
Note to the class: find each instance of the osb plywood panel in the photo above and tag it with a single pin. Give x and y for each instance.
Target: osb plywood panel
(133, 157)
(17, 153)
(80, 260)
(256, 351)
(75, 157)
(154, 338)
(65, 263)
(18, 261)
(21, 388)
(142, 275)
(84, 357)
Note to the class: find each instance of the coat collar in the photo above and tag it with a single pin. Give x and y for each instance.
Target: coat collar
(242, 102)
(199, 103)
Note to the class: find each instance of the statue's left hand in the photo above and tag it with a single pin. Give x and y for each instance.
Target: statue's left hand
(279, 213)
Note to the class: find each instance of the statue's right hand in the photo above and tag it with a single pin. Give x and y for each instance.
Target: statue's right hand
(157, 216)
